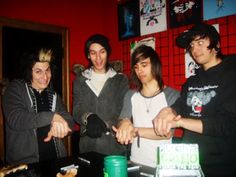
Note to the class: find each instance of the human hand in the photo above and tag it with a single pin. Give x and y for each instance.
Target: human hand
(95, 126)
(164, 121)
(59, 128)
(125, 133)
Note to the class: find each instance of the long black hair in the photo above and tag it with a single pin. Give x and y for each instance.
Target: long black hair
(141, 53)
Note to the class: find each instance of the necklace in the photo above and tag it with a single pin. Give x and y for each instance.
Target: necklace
(148, 104)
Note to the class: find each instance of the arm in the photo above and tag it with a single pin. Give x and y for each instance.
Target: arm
(116, 90)
(62, 111)
(125, 131)
(59, 128)
(62, 122)
(149, 133)
(18, 110)
(189, 124)
(81, 100)
(77, 100)
(168, 119)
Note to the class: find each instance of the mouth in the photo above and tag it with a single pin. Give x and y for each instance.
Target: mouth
(99, 64)
(141, 77)
(198, 108)
(197, 56)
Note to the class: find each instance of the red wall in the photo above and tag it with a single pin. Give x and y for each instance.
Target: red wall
(82, 17)
(173, 57)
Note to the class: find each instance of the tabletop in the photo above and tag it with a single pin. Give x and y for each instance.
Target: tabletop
(89, 165)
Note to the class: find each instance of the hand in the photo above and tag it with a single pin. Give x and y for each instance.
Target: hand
(125, 133)
(95, 126)
(164, 121)
(59, 128)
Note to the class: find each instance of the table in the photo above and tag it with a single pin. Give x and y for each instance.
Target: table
(51, 168)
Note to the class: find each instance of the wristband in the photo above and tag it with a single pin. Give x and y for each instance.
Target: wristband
(138, 139)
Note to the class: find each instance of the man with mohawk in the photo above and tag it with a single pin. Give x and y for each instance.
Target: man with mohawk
(35, 118)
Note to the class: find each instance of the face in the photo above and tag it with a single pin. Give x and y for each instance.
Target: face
(143, 70)
(98, 57)
(201, 54)
(41, 75)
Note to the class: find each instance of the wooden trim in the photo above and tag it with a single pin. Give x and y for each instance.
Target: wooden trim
(28, 25)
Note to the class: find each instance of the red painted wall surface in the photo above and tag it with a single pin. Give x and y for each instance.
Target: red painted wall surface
(83, 18)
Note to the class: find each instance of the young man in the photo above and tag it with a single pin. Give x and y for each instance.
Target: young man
(36, 118)
(98, 94)
(207, 106)
(142, 106)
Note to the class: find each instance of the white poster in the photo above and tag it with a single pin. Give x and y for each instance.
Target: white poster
(190, 64)
(152, 16)
(147, 41)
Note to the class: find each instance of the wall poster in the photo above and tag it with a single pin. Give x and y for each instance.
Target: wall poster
(152, 16)
(184, 12)
(218, 8)
(150, 41)
(128, 19)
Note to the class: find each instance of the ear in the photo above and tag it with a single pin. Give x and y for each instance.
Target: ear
(217, 47)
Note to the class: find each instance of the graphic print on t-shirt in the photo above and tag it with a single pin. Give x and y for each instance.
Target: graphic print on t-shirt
(200, 96)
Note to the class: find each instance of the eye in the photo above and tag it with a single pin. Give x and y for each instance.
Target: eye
(200, 42)
(48, 70)
(92, 52)
(103, 51)
(144, 64)
(37, 71)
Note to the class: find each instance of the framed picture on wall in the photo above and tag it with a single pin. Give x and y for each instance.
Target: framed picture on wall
(128, 19)
(218, 8)
(152, 16)
(184, 12)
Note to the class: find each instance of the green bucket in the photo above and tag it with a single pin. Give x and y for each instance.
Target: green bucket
(115, 166)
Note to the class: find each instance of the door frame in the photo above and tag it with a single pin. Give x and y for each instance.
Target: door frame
(35, 26)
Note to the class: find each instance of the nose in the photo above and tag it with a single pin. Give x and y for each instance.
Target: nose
(139, 70)
(98, 55)
(45, 75)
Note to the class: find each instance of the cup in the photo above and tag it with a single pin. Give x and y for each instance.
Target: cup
(115, 166)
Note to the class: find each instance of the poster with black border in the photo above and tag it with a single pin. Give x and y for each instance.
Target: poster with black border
(128, 19)
(184, 12)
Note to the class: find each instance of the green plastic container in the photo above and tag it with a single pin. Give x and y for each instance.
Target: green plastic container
(115, 166)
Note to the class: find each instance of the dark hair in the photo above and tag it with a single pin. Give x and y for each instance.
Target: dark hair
(32, 56)
(103, 41)
(141, 53)
(202, 30)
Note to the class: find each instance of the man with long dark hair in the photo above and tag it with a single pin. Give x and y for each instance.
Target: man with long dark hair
(206, 109)
(142, 104)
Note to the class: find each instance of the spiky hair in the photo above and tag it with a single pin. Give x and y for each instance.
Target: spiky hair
(45, 55)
